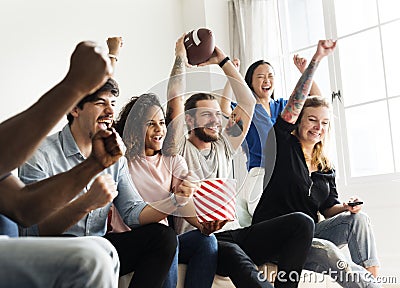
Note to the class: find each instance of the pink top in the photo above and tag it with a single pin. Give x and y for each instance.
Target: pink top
(154, 177)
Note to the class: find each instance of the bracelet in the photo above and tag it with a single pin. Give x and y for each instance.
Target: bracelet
(222, 63)
(176, 204)
(112, 56)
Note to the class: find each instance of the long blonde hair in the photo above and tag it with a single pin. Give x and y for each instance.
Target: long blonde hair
(319, 156)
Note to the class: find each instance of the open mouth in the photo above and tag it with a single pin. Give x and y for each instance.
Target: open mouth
(315, 134)
(213, 128)
(105, 123)
(265, 88)
(157, 138)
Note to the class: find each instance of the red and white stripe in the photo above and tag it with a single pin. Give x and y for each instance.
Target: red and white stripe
(215, 200)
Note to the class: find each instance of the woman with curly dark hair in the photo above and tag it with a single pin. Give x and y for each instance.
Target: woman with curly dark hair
(157, 175)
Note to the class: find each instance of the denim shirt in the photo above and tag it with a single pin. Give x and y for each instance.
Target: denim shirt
(59, 153)
(8, 227)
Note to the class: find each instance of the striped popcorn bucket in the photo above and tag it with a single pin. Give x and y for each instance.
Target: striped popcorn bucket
(215, 200)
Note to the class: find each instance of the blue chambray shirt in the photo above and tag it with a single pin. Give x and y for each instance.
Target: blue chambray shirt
(59, 153)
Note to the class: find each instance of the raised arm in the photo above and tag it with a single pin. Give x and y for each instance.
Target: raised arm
(244, 96)
(114, 45)
(245, 102)
(227, 93)
(30, 204)
(301, 64)
(297, 98)
(89, 69)
(177, 82)
(175, 119)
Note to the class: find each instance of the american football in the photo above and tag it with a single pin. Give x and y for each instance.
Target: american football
(199, 45)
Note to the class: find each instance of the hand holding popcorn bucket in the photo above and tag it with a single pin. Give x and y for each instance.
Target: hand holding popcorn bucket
(215, 199)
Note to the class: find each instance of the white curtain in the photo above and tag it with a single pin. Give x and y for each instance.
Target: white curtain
(254, 31)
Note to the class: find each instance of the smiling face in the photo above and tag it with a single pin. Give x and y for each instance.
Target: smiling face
(94, 116)
(207, 122)
(263, 81)
(313, 125)
(155, 130)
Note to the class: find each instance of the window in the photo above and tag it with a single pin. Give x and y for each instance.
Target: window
(364, 68)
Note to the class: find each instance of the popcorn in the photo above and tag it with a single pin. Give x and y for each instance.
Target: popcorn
(215, 200)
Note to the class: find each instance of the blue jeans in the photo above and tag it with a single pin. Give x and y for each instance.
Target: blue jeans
(354, 230)
(326, 258)
(199, 252)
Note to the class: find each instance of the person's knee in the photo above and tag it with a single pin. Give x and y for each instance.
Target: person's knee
(304, 223)
(229, 252)
(167, 239)
(95, 264)
(208, 244)
(105, 245)
(360, 219)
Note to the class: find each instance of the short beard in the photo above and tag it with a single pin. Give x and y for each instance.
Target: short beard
(203, 136)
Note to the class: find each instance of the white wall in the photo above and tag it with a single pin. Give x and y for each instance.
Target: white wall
(39, 36)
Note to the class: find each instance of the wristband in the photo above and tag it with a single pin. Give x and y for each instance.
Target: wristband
(112, 56)
(176, 204)
(222, 63)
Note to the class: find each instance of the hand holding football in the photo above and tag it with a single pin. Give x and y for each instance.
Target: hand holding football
(199, 45)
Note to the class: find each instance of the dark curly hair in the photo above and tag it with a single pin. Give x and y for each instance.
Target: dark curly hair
(131, 122)
(250, 71)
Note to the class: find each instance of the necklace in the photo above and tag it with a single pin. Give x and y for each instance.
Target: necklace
(206, 153)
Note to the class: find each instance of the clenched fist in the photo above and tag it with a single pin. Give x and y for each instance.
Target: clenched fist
(90, 67)
(107, 147)
(102, 192)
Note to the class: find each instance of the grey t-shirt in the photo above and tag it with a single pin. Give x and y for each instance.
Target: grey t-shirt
(215, 162)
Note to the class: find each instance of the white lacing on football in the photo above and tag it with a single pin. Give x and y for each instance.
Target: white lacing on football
(196, 38)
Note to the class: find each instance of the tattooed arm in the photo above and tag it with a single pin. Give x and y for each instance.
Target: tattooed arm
(175, 118)
(299, 95)
(301, 64)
